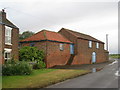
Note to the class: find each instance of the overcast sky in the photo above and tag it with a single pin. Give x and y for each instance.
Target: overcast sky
(94, 18)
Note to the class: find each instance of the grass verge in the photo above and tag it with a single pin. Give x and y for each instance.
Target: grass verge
(40, 78)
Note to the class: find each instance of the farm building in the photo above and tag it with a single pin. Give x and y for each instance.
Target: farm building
(67, 47)
(55, 46)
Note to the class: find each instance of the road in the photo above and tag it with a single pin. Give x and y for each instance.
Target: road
(106, 78)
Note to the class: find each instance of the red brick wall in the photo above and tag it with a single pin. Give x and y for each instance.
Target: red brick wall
(83, 54)
(1, 44)
(14, 46)
(39, 45)
(15, 39)
(70, 37)
(53, 54)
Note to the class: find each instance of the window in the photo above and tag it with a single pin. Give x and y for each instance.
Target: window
(61, 47)
(32, 44)
(90, 44)
(7, 54)
(8, 35)
(71, 49)
(97, 45)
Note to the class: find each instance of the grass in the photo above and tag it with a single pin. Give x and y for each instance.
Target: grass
(40, 78)
(114, 55)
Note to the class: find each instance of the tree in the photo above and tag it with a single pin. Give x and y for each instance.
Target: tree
(25, 34)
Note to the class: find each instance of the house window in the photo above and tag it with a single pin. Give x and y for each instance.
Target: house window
(97, 45)
(61, 47)
(7, 54)
(32, 44)
(90, 44)
(8, 35)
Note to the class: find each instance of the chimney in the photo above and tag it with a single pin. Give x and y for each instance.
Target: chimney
(3, 14)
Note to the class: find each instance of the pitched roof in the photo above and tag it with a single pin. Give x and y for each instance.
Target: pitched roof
(82, 36)
(46, 35)
(8, 23)
(4, 20)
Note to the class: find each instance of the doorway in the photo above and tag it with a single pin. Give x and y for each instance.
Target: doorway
(94, 57)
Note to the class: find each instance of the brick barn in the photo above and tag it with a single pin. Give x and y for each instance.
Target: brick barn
(9, 37)
(87, 49)
(67, 47)
(55, 46)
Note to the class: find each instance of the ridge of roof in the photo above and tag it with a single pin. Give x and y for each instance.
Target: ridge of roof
(88, 37)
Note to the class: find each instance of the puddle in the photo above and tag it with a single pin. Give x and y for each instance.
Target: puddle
(93, 70)
(96, 69)
(117, 73)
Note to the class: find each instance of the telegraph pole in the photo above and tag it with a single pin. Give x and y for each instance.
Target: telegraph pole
(107, 42)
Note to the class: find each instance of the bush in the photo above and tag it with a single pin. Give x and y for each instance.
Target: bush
(28, 53)
(36, 66)
(39, 65)
(42, 64)
(18, 68)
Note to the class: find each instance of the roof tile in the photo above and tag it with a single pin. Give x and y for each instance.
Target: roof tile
(46, 35)
(81, 35)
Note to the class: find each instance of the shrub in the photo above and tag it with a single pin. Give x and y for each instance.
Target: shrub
(28, 53)
(36, 66)
(39, 65)
(18, 68)
(42, 64)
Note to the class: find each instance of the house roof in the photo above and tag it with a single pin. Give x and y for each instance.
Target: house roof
(47, 35)
(4, 20)
(82, 36)
(8, 23)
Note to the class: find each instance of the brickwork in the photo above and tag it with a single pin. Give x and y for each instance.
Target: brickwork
(83, 54)
(1, 45)
(14, 38)
(53, 54)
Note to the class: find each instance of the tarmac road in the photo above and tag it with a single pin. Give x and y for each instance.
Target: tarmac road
(106, 78)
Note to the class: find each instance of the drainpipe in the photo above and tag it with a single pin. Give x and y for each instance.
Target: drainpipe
(107, 42)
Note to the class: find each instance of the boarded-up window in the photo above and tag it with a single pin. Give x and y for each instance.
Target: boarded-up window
(61, 47)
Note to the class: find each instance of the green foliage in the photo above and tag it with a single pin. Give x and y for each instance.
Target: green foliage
(39, 65)
(32, 54)
(18, 68)
(114, 55)
(36, 66)
(25, 34)
(42, 64)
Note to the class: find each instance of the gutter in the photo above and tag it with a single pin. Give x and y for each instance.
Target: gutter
(45, 40)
